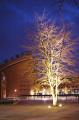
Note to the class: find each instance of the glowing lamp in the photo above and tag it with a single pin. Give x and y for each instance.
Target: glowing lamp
(49, 106)
(60, 105)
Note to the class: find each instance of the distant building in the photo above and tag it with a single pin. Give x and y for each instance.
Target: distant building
(17, 76)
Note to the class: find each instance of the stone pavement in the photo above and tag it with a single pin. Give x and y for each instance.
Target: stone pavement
(39, 112)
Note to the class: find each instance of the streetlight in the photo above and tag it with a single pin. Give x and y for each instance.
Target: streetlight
(15, 93)
(15, 90)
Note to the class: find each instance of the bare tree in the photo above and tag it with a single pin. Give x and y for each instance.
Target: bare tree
(53, 53)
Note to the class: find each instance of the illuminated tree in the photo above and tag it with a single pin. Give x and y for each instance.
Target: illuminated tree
(53, 53)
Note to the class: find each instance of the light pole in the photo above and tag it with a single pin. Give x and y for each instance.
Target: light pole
(15, 93)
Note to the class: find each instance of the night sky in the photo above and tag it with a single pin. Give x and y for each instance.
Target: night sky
(17, 18)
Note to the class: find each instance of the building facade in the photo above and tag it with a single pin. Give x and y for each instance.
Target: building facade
(17, 77)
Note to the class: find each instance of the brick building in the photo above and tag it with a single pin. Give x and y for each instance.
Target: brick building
(17, 76)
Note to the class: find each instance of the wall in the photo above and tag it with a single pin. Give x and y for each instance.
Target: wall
(19, 75)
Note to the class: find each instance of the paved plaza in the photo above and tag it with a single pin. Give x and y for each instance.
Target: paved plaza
(39, 112)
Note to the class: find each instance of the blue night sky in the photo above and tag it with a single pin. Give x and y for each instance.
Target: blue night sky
(16, 21)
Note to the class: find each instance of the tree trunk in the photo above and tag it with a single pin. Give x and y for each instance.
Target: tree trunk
(54, 100)
(54, 96)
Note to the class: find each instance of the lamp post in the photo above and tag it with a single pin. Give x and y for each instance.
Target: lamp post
(15, 93)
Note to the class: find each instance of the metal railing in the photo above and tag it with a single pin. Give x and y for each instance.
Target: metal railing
(62, 97)
(41, 99)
